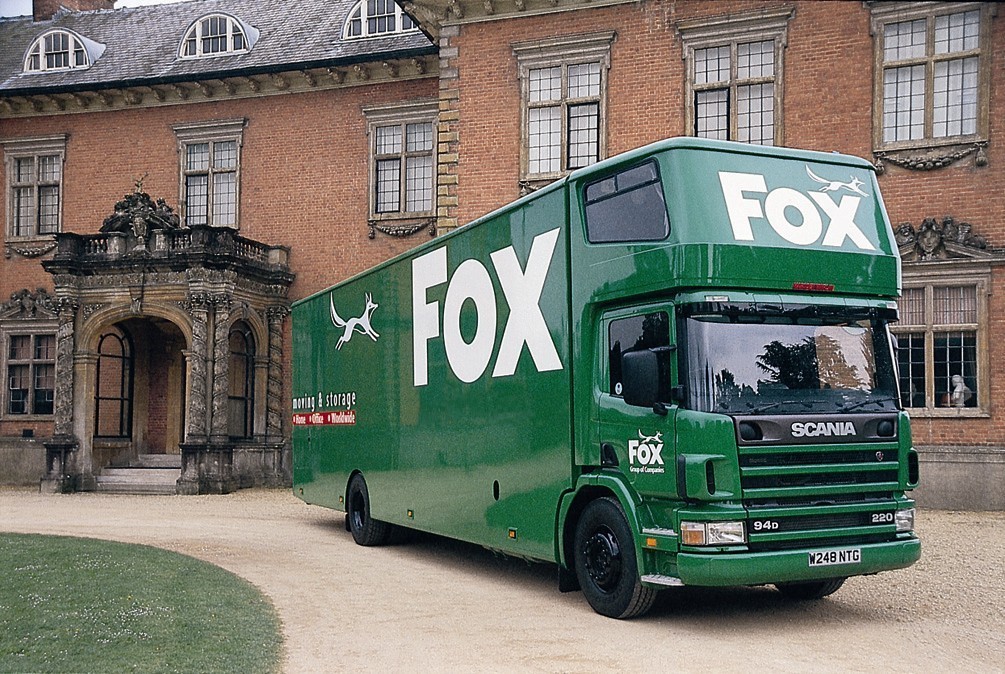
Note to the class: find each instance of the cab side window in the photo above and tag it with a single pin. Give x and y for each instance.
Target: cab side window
(627, 206)
(647, 331)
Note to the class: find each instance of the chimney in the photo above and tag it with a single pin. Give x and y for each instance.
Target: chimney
(43, 10)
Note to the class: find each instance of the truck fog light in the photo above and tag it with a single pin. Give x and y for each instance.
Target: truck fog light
(905, 520)
(726, 533)
(692, 533)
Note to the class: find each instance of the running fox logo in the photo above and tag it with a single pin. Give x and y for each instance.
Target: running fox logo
(853, 185)
(361, 324)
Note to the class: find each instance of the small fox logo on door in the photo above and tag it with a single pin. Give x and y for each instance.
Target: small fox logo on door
(353, 325)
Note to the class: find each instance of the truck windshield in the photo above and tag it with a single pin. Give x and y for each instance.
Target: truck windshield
(787, 365)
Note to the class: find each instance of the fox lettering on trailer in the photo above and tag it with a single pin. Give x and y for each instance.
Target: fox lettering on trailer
(777, 204)
(471, 281)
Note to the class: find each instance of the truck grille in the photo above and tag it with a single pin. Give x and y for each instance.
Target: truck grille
(819, 496)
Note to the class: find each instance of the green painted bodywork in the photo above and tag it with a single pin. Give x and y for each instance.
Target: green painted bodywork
(509, 461)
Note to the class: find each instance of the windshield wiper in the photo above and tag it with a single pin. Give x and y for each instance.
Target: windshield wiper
(808, 404)
(849, 408)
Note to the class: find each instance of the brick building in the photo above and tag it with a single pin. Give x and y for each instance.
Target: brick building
(297, 143)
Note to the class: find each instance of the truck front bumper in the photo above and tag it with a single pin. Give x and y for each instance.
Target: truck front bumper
(760, 568)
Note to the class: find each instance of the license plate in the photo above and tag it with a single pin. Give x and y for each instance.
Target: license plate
(836, 557)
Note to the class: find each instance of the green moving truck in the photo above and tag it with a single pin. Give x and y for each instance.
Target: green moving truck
(672, 367)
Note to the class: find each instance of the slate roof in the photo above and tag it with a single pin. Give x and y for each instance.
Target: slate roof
(142, 43)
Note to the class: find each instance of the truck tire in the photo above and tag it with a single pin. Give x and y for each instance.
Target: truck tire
(365, 530)
(817, 589)
(606, 563)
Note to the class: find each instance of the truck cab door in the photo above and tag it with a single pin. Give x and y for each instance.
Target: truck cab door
(636, 418)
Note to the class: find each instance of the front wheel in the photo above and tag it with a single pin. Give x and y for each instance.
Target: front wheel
(817, 589)
(365, 530)
(606, 563)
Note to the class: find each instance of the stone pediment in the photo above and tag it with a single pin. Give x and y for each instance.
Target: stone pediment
(26, 305)
(941, 240)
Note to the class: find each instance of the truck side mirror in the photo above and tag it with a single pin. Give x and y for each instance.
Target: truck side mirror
(640, 384)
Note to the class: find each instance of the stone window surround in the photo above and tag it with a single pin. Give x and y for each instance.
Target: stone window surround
(17, 327)
(883, 13)
(418, 111)
(32, 147)
(549, 53)
(927, 275)
(209, 132)
(768, 24)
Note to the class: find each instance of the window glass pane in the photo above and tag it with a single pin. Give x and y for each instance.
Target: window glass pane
(634, 211)
(24, 170)
(388, 185)
(904, 103)
(712, 114)
(197, 157)
(20, 347)
(755, 114)
(904, 40)
(196, 199)
(545, 136)
(224, 199)
(48, 209)
(650, 331)
(238, 38)
(955, 356)
(45, 386)
(911, 365)
(955, 305)
(23, 211)
(18, 381)
(419, 184)
(419, 137)
(584, 80)
(955, 98)
(45, 347)
(584, 135)
(957, 32)
(225, 154)
(711, 65)
(388, 139)
(214, 35)
(755, 59)
(48, 168)
(545, 84)
(912, 306)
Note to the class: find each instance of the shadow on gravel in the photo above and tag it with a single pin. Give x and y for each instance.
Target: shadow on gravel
(728, 607)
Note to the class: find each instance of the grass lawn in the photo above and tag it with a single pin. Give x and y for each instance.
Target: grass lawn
(83, 605)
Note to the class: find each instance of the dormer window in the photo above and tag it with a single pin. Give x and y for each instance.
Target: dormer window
(61, 50)
(217, 35)
(370, 18)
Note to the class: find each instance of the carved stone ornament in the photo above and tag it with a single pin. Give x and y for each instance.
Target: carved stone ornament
(27, 304)
(30, 250)
(401, 230)
(929, 160)
(935, 240)
(138, 214)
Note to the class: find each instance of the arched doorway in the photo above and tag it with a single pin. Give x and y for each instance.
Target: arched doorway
(139, 391)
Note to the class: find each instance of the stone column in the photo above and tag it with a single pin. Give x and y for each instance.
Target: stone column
(275, 404)
(62, 471)
(197, 356)
(219, 431)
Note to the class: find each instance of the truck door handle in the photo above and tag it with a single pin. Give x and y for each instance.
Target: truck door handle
(608, 457)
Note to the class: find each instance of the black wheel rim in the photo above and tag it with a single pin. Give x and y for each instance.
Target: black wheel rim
(602, 556)
(356, 511)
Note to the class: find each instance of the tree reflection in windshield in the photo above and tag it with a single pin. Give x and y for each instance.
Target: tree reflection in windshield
(743, 368)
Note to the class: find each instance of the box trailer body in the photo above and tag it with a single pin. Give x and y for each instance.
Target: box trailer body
(671, 367)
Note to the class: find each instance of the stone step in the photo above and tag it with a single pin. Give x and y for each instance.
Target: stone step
(156, 461)
(138, 480)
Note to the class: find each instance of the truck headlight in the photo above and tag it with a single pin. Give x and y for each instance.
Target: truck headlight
(713, 533)
(905, 520)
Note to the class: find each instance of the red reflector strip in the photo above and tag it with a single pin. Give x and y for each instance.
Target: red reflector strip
(814, 287)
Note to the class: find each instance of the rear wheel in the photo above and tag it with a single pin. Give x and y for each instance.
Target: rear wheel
(817, 589)
(606, 563)
(365, 530)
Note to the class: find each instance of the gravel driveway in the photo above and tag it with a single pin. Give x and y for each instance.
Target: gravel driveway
(436, 605)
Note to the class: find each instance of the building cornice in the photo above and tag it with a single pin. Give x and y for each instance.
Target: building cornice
(146, 94)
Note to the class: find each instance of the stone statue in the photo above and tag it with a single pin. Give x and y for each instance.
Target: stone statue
(138, 214)
(961, 394)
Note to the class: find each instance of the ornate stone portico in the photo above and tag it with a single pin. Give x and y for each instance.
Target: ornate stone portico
(169, 341)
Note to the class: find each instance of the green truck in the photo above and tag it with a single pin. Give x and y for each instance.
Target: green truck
(672, 367)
